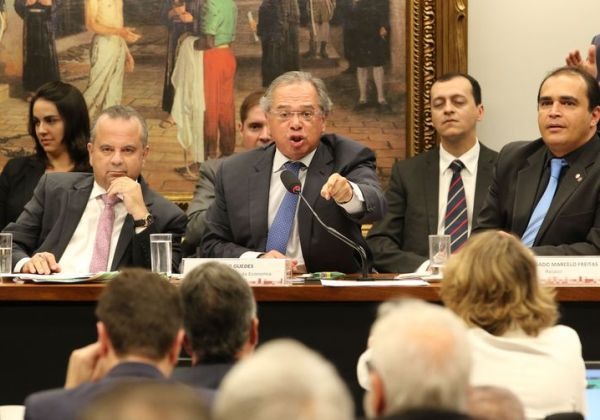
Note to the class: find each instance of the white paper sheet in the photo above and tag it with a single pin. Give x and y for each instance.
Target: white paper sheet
(375, 283)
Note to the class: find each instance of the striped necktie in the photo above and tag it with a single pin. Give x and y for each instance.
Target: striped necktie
(456, 221)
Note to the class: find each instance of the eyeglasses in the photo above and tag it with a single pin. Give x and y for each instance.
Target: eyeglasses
(306, 116)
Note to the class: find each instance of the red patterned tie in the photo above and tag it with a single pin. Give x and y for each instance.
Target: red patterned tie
(456, 222)
(103, 234)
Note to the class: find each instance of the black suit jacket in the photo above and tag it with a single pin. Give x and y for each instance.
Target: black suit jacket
(52, 215)
(238, 219)
(17, 182)
(66, 404)
(399, 242)
(572, 224)
(203, 376)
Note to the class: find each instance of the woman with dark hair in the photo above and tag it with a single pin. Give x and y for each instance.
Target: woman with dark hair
(60, 125)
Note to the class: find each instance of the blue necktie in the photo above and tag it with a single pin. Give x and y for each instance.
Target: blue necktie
(279, 233)
(456, 221)
(539, 213)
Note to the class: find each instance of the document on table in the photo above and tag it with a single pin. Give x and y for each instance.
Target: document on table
(63, 277)
(375, 283)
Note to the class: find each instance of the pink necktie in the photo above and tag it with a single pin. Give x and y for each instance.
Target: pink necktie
(103, 234)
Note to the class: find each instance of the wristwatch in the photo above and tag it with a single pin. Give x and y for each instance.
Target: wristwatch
(145, 222)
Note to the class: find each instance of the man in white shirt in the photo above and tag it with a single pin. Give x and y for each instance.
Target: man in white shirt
(79, 222)
(338, 177)
(419, 187)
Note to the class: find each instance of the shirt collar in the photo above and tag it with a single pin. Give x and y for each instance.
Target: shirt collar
(469, 158)
(279, 160)
(97, 191)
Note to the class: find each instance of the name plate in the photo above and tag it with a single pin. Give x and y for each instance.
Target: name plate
(259, 271)
(583, 270)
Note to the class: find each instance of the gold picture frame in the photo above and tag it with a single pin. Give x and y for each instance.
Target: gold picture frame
(436, 44)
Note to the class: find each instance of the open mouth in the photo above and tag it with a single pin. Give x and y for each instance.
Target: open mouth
(297, 139)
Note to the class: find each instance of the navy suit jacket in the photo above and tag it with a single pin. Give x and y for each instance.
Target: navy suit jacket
(66, 404)
(238, 219)
(572, 224)
(203, 376)
(399, 242)
(59, 200)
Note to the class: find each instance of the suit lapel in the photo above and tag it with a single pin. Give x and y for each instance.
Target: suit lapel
(76, 204)
(259, 184)
(525, 190)
(485, 165)
(321, 167)
(430, 181)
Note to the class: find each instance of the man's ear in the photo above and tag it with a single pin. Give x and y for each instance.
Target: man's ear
(173, 355)
(253, 336)
(103, 338)
(378, 394)
(187, 345)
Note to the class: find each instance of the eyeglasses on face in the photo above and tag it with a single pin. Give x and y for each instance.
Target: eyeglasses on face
(306, 116)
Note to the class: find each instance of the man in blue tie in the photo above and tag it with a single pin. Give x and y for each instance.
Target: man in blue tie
(547, 191)
(254, 216)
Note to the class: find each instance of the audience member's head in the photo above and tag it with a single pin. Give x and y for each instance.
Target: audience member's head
(492, 283)
(119, 144)
(147, 400)
(59, 122)
(139, 315)
(419, 359)
(219, 314)
(494, 403)
(283, 380)
(253, 122)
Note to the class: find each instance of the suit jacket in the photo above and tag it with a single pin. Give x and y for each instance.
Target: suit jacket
(203, 376)
(17, 182)
(238, 219)
(203, 198)
(399, 242)
(51, 217)
(572, 224)
(66, 404)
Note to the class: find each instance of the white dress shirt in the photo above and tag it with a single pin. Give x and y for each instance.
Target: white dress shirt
(277, 192)
(469, 178)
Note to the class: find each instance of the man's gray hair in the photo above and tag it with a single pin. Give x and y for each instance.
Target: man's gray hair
(293, 77)
(283, 380)
(218, 309)
(123, 112)
(422, 354)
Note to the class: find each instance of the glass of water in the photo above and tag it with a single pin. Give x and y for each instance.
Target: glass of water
(5, 253)
(161, 253)
(439, 252)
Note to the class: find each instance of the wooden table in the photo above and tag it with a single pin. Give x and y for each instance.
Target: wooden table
(40, 324)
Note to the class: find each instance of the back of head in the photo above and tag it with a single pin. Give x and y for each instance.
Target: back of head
(149, 400)
(72, 108)
(494, 403)
(218, 307)
(492, 283)
(283, 380)
(421, 353)
(141, 312)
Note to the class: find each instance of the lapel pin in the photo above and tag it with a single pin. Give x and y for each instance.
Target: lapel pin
(578, 177)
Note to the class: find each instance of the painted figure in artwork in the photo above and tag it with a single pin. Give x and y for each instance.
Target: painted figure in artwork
(278, 27)
(320, 13)
(109, 55)
(40, 61)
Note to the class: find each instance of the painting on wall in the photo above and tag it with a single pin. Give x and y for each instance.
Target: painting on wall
(154, 60)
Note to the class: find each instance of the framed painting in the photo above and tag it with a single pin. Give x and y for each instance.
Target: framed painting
(424, 38)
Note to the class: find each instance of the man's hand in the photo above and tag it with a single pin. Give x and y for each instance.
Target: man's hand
(276, 254)
(86, 364)
(131, 194)
(588, 65)
(338, 188)
(41, 263)
(128, 34)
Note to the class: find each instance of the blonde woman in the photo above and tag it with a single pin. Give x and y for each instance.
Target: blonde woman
(492, 285)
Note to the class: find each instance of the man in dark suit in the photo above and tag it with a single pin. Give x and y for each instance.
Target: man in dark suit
(221, 326)
(338, 177)
(60, 228)
(139, 338)
(547, 191)
(418, 191)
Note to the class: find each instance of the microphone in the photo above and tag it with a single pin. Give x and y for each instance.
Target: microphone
(292, 184)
